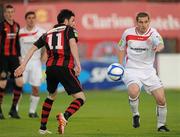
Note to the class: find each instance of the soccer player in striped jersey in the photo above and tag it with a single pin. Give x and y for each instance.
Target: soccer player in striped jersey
(139, 45)
(63, 66)
(10, 58)
(33, 72)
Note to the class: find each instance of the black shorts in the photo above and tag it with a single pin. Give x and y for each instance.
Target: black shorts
(65, 76)
(8, 64)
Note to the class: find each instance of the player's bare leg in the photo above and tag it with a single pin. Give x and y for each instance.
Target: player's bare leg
(16, 96)
(34, 100)
(161, 109)
(79, 99)
(133, 92)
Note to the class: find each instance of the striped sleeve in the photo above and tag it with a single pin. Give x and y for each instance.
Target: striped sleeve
(72, 33)
(17, 42)
(41, 41)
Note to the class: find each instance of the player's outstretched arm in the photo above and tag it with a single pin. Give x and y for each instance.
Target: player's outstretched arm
(121, 54)
(44, 55)
(21, 68)
(74, 51)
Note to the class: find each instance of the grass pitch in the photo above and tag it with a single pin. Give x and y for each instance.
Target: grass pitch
(105, 114)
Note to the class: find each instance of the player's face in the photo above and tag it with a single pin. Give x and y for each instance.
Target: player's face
(9, 14)
(143, 24)
(31, 20)
(71, 21)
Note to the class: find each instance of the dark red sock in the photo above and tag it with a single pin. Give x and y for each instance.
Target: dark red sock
(73, 107)
(17, 93)
(46, 108)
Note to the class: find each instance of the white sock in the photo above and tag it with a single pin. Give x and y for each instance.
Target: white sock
(161, 115)
(17, 107)
(33, 103)
(134, 104)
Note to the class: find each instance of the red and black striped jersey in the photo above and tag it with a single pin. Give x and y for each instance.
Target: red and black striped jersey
(9, 37)
(56, 42)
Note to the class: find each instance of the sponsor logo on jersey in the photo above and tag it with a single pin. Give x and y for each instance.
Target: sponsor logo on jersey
(139, 49)
(11, 35)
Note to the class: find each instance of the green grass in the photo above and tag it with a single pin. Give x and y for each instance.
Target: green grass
(105, 114)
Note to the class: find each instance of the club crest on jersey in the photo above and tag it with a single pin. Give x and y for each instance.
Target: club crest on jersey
(120, 43)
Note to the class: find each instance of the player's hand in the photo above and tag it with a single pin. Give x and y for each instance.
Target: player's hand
(77, 70)
(19, 70)
(158, 48)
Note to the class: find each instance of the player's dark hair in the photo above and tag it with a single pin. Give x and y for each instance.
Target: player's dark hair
(64, 14)
(29, 13)
(142, 14)
(8, 7)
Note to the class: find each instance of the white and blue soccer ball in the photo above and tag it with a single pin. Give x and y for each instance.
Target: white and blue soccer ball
(115, 71)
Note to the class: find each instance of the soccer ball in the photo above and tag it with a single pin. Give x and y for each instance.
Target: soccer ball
(115, 71)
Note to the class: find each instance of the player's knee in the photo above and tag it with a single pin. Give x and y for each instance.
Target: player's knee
(19, 82)
(83, 97)
(3, 83)
(161, 102)
(80, 95)
(133, 95)
(3, 75)
(35, 91)
(133, 90)
(52, 96)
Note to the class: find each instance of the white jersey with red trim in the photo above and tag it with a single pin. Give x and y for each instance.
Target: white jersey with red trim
(139, 48)
(27, 38)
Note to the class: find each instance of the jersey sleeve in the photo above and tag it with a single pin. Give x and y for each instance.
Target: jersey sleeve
(1, 28)
(156, 38)
(41, 41)
(72, 33)
(17, 42)
(122, 42)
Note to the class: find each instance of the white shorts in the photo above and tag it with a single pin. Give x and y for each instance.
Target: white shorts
(142, 77)
(33, 73)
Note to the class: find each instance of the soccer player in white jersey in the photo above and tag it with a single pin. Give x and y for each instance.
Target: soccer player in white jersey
(33, 72)
(138, 46)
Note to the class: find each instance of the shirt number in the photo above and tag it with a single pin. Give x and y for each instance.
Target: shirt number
(59, 41)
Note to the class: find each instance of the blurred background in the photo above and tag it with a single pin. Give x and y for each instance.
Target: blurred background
(100, 24)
